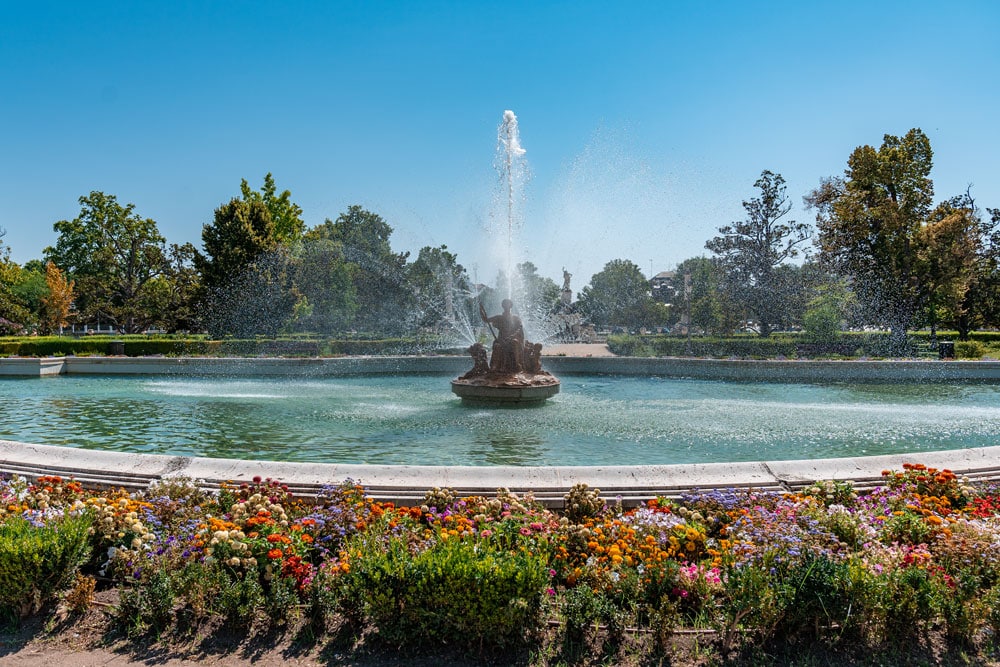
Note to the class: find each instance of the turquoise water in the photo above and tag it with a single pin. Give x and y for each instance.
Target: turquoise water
(595, 420)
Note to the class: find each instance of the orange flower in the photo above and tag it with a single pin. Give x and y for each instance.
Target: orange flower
(274, 554)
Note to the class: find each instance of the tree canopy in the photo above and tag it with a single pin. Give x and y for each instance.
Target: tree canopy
(751, 250)
(286, 215)
(619, 295)
(113, 255)
(877, 227)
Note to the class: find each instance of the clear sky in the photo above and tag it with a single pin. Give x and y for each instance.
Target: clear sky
(645, 123)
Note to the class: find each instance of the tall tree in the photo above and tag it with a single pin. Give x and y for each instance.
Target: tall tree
(286, 215)
(57, 303)
(247, 275)
(980, 304)
(113, 255)
(241, 232)
(876, 227)
(947, 248)
(619, 295)
(751, 250)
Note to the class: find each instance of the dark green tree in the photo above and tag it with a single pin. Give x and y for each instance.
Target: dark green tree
(241, 232)
(751, 251)
(619, 296)
(441, 289)
(114, 256)
(247, 274)
(379, 275)
(325, 279)
(178, 289)
(286, 215)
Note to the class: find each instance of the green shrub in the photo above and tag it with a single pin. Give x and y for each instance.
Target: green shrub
(146, 606)
(36, 562)
(969, 349)
(455, 592)
(816, 595)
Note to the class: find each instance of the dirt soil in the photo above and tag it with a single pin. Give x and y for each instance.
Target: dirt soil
(56, 638)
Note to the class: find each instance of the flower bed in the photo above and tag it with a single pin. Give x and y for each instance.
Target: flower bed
(916, 555)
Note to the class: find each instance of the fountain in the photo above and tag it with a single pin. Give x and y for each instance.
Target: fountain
(512, 374)
(635, 427)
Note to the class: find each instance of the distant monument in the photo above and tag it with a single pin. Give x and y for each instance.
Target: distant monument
(513, 374)
(566, 296)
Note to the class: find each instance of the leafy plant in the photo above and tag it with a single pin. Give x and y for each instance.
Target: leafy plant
(37, 561)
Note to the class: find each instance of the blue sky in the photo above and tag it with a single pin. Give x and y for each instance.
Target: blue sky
(645, 123)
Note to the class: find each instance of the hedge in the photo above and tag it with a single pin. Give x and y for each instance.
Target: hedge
(137, 346)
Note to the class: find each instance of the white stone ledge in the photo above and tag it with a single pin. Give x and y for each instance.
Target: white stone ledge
(407, 484)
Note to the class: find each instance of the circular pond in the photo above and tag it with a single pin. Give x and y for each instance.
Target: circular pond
(415, 419)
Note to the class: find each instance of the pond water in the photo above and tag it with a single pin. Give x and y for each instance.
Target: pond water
(595, 420)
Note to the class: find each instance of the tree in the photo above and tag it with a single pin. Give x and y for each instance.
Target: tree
(826, 311)
(259, 300)
(13, 312)
(30, 287)
(707, 303)
(750, 251)
(619, 296)
(240, 232)
(980, 304)
(535, 293)
(324, 277)
(948, 243)
(113, 255)
(876, 228)
(377, 273)
(177, 290)
(441, 290)
(286, 215)
(57, 303)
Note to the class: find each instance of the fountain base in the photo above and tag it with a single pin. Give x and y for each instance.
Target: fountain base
(506, 390)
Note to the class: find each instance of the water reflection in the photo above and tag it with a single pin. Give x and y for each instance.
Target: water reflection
(508, 449)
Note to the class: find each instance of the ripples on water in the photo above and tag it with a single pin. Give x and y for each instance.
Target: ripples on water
(416, 420)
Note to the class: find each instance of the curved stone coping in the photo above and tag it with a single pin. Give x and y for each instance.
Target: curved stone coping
(407, 484)
(709, 369)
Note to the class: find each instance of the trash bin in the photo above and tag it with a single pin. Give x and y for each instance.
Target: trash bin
(946, 350)
(116, 348)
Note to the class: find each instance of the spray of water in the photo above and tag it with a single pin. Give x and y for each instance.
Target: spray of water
(512, 170)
